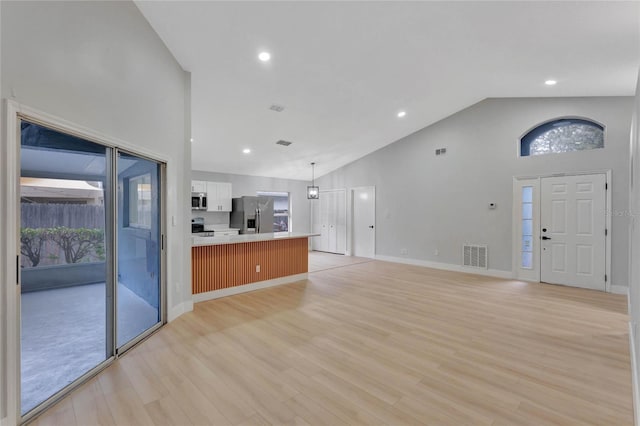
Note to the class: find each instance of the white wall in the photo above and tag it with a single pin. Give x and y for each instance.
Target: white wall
(424, 202)
(101, 66)
(249, 185)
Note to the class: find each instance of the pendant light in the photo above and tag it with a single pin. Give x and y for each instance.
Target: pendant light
(313, 192)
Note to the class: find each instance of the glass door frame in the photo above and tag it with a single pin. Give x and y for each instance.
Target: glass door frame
(15, 114)
(114, 266)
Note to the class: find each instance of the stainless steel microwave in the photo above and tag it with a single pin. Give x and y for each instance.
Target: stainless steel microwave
(198, 201)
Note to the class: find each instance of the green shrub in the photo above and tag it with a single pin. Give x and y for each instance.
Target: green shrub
(31, 242)
(76, 243)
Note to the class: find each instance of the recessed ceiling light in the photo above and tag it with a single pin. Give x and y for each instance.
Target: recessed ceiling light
(550, 82)
(264, 56)
(191, 139)
(246, 151)
(402, 114)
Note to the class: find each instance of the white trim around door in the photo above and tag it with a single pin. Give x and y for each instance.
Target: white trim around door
(532, 272)
(10, 273)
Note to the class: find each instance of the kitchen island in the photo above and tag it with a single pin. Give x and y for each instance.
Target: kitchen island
(222, 266)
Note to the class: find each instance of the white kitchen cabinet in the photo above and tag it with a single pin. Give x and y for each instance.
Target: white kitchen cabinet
(218, 196)
(330, 220)
(198, 186)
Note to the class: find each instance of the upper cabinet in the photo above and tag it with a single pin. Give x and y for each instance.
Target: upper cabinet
(198, 186)
(218, 196)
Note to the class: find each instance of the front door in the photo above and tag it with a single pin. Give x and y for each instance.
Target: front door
(573, 230)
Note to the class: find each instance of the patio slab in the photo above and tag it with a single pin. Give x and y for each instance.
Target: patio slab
(63, 335)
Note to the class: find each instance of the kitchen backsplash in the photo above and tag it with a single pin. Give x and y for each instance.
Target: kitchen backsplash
(212, 218)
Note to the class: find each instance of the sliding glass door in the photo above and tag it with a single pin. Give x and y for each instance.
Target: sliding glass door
(91, 258)
(65, 283)
(139, 244)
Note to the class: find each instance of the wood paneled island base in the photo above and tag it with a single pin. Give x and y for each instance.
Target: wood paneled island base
(235, 264)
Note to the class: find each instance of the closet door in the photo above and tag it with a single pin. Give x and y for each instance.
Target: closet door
(341, 221)
(331, 222)
(316, 226)
(324, 223)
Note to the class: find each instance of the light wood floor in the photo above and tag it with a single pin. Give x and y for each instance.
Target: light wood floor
(375, 343)
(320, 261)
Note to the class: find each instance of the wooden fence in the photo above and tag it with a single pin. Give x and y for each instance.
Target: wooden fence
(69, 215)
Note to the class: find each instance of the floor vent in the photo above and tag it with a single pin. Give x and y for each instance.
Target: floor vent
(474, 256)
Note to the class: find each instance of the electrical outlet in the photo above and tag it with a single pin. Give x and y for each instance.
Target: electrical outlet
(436, 252)
(257, 268)
(404, 251)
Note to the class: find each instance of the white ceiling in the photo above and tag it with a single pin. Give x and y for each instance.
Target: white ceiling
(343, 70)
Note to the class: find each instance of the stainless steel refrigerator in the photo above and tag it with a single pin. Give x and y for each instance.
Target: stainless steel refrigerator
(252, 215)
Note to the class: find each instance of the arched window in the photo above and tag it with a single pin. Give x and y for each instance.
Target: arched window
(562, 135)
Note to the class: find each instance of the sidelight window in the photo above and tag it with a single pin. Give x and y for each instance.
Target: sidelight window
(527, 228)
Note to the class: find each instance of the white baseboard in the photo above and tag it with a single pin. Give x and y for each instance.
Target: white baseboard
(634, 374)
(179, 309)
(447, 266)
(216, 294)
(619, 289)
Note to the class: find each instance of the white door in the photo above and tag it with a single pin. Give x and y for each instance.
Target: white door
(329, 220)
(573, 231)
(316, 227)
(341, 221)
(364, 221)
(324, 224)
(329, 198)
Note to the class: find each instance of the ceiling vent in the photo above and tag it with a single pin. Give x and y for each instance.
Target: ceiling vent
(276, 108)
(283, 143)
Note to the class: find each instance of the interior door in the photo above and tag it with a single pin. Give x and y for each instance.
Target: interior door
(573, 231)
(330, 199)
(341, 221)
(364, 220)
(324, 224)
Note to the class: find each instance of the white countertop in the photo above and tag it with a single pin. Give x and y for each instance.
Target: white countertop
(247, 238)
(219, 227)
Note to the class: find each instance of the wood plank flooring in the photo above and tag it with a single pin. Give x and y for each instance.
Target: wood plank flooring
(375, 343)
(321, 261)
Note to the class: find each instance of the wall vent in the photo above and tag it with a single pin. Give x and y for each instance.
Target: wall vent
(283, 143)
(474, 256)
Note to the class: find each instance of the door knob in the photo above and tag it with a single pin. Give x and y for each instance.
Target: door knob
(546, 238)
(371, 226)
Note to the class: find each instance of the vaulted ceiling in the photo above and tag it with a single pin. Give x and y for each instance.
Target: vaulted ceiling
(343, 70)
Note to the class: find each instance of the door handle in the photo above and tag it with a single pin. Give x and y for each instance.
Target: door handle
(546, 238)
(371, 226)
